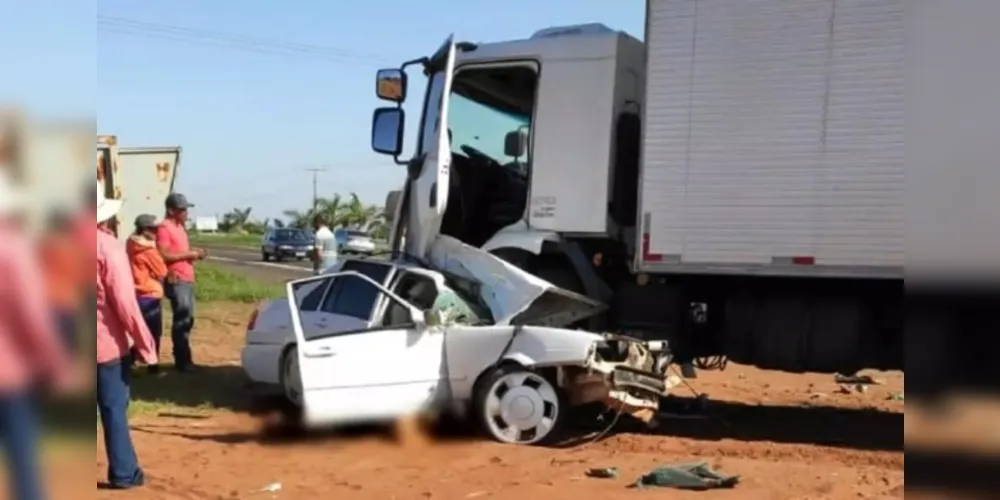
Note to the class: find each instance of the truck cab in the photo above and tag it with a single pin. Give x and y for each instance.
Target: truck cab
(502, 127)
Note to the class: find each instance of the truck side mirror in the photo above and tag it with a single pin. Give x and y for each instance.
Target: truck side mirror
(387, 131)
(515, 143)
(390, 85)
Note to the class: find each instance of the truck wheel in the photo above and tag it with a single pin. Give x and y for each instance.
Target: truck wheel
(515, 405)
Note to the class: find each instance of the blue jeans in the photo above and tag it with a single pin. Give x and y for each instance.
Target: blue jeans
(152, 312)
(19, 431)
(181, 297)
(113, 380)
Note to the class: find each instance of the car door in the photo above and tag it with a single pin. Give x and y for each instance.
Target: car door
(369, 373)
(427, 196)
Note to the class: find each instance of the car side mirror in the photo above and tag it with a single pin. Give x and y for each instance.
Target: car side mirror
(432, 317)
(387, 131)
(514, 144)
(390, 85)
(418, 318)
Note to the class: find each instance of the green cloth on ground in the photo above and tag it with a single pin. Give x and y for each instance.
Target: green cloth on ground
(697, 476)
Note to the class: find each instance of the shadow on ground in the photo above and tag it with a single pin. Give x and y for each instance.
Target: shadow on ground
(868, 430)
(212, 387)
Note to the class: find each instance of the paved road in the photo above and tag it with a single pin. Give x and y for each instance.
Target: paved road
(246, 262)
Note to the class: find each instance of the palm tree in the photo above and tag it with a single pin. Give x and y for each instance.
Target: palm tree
(236, 219)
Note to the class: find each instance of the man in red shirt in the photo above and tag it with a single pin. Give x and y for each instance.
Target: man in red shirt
(172, 241)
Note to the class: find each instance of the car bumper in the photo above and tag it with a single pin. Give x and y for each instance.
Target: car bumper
(261, 363)
(359, 247)
(292, 253)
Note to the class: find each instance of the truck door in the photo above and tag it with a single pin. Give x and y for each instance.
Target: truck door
(428, 192)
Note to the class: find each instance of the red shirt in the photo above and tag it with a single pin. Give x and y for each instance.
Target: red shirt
(174, 238)
(29, 346)
(120, 324)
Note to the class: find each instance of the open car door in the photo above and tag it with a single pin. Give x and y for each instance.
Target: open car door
(368, 374)
(427, 194)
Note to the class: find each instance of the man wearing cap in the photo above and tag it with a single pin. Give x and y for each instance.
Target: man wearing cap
(172, 241)
(148, 273)
(121, 331)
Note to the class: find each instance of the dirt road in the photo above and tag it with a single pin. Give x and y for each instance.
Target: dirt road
(787, 436)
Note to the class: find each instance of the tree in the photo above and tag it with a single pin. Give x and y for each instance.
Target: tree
(235, 220)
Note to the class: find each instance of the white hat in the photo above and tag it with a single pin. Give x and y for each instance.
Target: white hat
(106, 208)
(12, 199)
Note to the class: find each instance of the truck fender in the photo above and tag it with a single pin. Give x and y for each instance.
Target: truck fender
(521, 236)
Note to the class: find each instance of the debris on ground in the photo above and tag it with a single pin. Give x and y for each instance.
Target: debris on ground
(895, 396)
(603, 473)
(855, 379)
(271, 488)
(696, 476)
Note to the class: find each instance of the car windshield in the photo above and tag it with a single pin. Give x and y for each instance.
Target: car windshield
(291, 235)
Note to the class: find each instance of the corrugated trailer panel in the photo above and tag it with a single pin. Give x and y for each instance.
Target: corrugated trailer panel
(774, 137)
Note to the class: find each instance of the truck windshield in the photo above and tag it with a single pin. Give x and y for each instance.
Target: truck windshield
(487, 104)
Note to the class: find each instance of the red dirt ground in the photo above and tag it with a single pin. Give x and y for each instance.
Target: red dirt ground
(788, 437)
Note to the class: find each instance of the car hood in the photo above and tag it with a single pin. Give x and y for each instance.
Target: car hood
(514, 296)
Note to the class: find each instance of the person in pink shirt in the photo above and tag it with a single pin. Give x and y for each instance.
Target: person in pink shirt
(121, 331)
(30, 351)
(172, 241)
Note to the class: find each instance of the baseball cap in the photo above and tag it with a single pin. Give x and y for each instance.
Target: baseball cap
(178, 201)
(145, 221)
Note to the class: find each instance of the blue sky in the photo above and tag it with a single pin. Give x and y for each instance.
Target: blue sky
(250, 121)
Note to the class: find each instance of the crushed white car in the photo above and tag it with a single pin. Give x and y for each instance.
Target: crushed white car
(373, 340)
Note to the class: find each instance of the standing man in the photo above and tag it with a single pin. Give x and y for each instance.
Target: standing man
(172, 242)
(30, 351)
(324, 252)
(121, 331)
(148, 273)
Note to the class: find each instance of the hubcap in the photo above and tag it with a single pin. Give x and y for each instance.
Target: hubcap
(521, 408)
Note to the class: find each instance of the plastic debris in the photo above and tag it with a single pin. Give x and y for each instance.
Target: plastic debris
(603, 472)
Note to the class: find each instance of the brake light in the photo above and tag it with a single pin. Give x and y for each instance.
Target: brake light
(253, 319)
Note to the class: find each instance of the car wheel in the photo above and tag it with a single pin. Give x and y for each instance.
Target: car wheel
(291, 380)
(264, 255)
(515, 405)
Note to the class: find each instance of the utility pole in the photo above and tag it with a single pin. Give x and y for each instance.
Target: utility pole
(315, 172)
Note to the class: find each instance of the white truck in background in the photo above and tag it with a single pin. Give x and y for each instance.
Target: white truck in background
(142, 177)
(735, 185)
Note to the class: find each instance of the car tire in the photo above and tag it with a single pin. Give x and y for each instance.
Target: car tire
(264, 256)
(533, 415)
(291, 381)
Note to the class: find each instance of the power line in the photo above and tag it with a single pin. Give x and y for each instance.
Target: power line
(232, 41)
(315, 172)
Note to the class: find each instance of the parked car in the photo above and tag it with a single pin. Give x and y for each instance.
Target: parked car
(351, 241)
(279, 244)
(374, 340)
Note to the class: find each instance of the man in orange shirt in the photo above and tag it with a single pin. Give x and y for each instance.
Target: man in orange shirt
(148, 271)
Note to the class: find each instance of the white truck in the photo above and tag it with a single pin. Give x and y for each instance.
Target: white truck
(734, 185)
(142, 177)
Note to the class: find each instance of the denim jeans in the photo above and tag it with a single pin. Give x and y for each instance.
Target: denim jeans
(19, 432)
(181, 297)
(113, 380)
(152, 312)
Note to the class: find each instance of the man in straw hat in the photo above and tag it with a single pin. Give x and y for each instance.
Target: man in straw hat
(121, 331)
(30, 350)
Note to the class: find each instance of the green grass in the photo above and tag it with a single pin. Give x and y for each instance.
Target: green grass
(215, 283)
(240, 240)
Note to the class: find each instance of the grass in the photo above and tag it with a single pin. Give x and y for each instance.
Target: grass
(241, 240)
(215, 283)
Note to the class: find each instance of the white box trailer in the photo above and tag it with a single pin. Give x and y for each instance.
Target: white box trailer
(774, 138)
